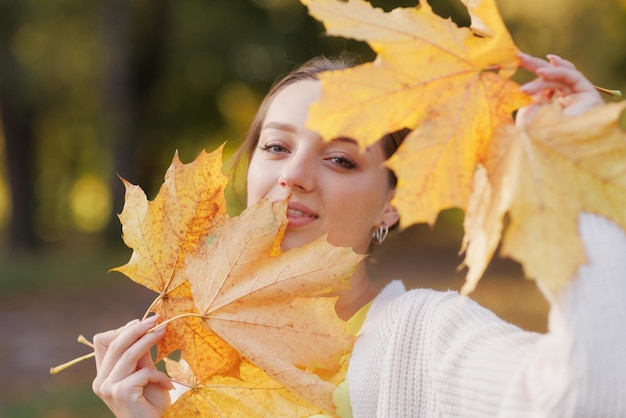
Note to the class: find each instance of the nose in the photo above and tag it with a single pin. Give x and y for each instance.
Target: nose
(298, 175)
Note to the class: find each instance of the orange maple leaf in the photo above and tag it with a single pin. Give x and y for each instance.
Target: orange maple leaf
(189, 205)
(450, 85)
(274, 308)
(543, 175)
(206, 353)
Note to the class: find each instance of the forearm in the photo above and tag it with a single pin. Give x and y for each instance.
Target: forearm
(578, 369)
(592, 312)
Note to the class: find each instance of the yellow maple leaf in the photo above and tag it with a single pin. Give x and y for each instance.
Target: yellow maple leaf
(255, 394)
(188, 206)
(449, 84)
(274, 309)
(542, 176)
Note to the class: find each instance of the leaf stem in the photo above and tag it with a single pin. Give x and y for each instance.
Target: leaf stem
(183, 315)
(154, 302)
(178, 382)
(81, 339)
(616, 94)
(61, 367)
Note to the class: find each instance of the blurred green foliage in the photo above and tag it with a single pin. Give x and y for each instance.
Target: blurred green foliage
(67, 403)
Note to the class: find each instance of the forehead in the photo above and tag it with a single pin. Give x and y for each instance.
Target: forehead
(290, 105)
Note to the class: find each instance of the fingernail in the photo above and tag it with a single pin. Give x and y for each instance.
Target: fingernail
(553, 57)
(151, 320)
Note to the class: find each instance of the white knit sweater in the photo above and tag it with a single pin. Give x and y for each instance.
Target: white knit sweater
(423, 354)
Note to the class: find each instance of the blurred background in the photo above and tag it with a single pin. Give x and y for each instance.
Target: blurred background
(90, 90)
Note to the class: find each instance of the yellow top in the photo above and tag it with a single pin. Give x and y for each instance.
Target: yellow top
(341, 396)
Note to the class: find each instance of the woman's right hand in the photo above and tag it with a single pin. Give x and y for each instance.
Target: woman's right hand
(557, 79)
(127, 380)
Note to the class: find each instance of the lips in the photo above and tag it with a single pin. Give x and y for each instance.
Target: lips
(299, 214)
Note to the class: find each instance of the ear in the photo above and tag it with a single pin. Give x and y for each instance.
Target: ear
(389, 214)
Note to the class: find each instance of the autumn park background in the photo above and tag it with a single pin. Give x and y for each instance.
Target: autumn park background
(93, 89)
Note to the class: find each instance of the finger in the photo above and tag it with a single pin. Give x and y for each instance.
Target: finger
(127, 348)
(574, 107)
(101, 342)
(566, 76)
(146, 361)
(555, 60)
(530, 63)
(155, 387)
(144, 376)
(539, 86)
(129, 360)
(132, 386)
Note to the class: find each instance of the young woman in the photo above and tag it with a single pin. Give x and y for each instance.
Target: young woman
(420, 353)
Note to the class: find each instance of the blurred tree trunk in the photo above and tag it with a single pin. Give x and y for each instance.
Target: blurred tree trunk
(116, 96)
(20, 141)
(133, 37)
(17, 112)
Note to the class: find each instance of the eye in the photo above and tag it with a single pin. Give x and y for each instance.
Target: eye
(344, 162)
(273, 148)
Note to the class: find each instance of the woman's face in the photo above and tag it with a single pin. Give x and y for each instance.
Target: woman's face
(333, 187)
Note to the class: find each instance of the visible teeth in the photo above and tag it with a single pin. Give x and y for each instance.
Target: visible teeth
(296, 212)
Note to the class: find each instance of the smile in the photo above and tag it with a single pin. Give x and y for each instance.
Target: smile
(298, 214)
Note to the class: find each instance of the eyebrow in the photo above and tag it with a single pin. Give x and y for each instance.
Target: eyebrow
(281, 127)
(345, 139)
(292, 129)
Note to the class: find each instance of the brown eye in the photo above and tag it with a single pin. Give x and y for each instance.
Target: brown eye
(273, 148)
(343, 162)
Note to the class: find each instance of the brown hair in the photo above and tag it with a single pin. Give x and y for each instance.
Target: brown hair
(238, 164)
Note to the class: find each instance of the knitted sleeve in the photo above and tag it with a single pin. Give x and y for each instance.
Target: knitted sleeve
(427, 354)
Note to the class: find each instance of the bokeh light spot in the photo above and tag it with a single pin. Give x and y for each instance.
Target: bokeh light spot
(90, 203)
(237, 102)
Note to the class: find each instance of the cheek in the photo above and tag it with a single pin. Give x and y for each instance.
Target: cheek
(346, 225)
(254, 184)
(369, 195)
(352, 221)
(357, 207)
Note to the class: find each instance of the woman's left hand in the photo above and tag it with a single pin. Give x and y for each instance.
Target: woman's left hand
(557, 79)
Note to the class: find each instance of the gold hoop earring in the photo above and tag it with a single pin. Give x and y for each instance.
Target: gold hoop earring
(379, 234)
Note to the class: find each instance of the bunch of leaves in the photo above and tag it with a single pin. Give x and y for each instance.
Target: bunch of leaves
(451, 86)
(256, 326)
